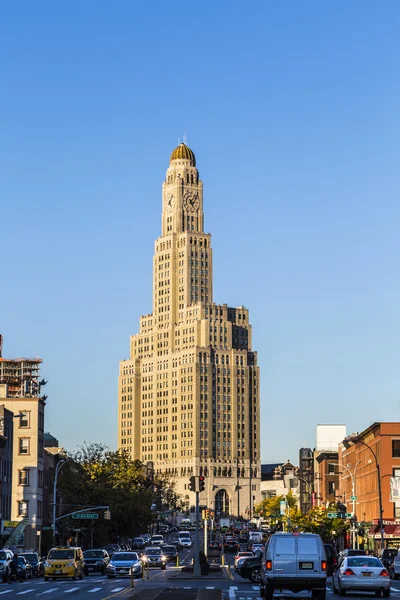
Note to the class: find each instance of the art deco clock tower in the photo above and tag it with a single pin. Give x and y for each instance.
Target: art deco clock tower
(189, 393)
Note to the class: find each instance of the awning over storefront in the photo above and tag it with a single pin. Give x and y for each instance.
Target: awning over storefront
(391, 531)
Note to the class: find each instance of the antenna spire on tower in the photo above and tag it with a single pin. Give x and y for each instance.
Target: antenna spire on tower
(184, 138)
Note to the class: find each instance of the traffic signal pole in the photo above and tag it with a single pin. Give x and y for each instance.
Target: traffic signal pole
(205, 536)
(197, 568)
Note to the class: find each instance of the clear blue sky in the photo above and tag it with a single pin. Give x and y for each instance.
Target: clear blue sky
(292, 109)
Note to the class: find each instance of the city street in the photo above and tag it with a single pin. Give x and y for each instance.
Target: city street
(102, 588)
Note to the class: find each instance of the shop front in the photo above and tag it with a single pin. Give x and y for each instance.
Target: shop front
(391, 534)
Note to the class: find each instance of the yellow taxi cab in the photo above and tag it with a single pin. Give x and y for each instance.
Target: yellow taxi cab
(64, 562)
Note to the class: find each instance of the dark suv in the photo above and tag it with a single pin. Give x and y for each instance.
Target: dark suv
(95, 560)
(35, 562)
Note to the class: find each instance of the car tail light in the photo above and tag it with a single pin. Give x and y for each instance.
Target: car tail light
(384, 573)
(268, 565)
(323, 565)
(348, 572)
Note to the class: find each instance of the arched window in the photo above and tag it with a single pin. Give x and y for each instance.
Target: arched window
(221, 503)
(191, 178)
(187, 178)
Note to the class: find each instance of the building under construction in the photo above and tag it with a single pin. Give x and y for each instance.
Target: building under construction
(19, 377)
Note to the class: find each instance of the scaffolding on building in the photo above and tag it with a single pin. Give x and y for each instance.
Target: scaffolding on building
(19, 377)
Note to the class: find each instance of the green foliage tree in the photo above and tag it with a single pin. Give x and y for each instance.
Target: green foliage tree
(96, 476)
(315, 521)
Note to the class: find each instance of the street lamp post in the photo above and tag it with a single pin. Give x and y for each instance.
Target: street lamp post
(348, 441)
(353, 493)
(58, 468)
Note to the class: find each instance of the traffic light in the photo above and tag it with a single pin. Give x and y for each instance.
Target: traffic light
(107, 514)
(207, 514)
(192, 483)
(202, 483)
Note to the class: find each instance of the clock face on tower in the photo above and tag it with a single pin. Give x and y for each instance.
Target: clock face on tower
(191, 201)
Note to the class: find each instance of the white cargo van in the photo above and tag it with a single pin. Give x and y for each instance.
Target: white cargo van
(295, 562)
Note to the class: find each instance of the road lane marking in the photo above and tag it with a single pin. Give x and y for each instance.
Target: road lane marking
(211, 587)
(256, 587)
(117, 589)
(48, 591)
(94, 590)
(71, 590)
(232, 590)
(25, 592)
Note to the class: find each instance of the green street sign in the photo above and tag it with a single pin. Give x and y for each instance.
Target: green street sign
(349, 515)
(47, 528)
(353, 497)
(85, 516)
(333, 515)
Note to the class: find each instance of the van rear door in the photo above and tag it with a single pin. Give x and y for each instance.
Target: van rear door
(308, 555)
(284, 556)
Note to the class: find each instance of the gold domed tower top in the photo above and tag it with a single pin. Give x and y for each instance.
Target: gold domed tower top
(183, 152)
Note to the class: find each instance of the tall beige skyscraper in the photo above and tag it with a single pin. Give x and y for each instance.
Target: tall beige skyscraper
(189, 395)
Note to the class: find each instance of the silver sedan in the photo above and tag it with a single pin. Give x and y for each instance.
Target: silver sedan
(361, 573)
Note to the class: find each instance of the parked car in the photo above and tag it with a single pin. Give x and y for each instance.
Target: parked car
(361, 573)
(350, 552)
(24, 569)
(154, 557)
(250, 569)
(170, 552)
(95, 560)
(138, 543)
(36, 563)
(295, 562)
(5, 559)
(122, 563)
(331, 559)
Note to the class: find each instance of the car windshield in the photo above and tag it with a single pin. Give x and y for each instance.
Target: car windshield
(364, 561)
(21, 560)
(93, 554)
(32, 556)
(153, 550)
(61, 554)
(138, 540)
(241, 554)
(125, 556)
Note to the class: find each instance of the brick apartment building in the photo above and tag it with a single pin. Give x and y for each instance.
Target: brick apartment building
(384, 441)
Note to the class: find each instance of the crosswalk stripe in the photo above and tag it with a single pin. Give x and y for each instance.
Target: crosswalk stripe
(6, 592)
(71, 590)
(94, 590)
(48, 591)
(256, 587)
(25, 592)
(117, 589)
(211, 587)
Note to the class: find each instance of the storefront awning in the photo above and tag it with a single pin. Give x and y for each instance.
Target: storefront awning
(391, 531)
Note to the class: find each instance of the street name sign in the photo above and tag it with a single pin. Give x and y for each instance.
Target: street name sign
(85, 516)
(353, 497)
(349, 515)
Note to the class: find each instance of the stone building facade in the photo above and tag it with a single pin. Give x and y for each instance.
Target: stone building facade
(189, 395)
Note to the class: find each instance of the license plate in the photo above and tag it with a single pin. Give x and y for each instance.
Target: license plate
(58, 570)
(90, 568)
(365, 574)
(306, 565)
